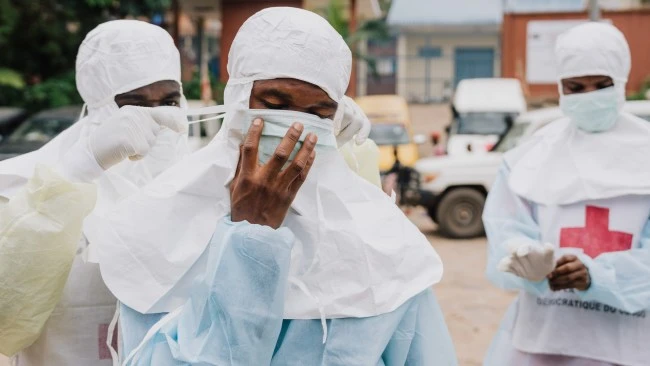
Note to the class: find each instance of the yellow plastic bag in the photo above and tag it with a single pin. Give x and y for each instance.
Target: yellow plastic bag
(40, 228)
(363, 159)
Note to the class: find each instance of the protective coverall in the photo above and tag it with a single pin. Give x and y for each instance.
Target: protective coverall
(578, 190)
(356, 265)
(235, 317)
(53, 305)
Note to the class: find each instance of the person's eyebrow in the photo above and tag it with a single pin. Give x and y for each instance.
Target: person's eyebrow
(276, 93)
(327, 104)
(174, 94)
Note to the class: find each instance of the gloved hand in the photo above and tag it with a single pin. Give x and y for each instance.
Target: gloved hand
(529, 261)
(132, 131)
(349, 121)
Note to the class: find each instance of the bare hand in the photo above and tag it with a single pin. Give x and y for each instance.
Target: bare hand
(262, 194)
(569, 273)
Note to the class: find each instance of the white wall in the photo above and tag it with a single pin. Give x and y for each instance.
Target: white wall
(412, 69)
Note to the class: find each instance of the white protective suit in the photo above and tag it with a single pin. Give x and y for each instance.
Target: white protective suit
(114, 58)
(356, 254)
(587, 194)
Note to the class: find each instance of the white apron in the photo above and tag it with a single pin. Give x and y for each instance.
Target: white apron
(77, 331)
(560, 323)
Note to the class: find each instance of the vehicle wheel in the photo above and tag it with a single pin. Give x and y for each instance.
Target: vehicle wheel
(432, 213)
(459, 213)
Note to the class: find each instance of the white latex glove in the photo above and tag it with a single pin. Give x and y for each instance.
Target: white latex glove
(132, 132)
(350, 121)
(529, 261)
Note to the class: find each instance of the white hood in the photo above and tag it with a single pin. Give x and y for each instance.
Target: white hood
(562, 164)
(115, 57)
(355, 255)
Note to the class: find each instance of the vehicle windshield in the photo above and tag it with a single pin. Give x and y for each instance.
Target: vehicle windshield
(39, 130)
(389, 134)
(483, 123)
(513, 136)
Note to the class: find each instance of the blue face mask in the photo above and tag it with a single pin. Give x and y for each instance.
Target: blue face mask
(278, 122)
(593, 112)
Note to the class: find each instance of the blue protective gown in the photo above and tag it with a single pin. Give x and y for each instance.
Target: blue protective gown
(234, 317)
(618, 279)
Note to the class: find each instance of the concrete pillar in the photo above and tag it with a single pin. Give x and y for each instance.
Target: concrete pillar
(402, 69)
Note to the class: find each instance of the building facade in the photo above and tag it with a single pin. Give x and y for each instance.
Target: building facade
(439, 43)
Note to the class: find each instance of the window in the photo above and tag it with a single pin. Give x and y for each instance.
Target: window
(389, 134)
(430, 52)
(385, 66)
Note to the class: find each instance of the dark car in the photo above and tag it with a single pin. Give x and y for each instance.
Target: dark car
(10, 119)
(38, 130)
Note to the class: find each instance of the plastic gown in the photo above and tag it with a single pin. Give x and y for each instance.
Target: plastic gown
(37, 236)
(235, 317)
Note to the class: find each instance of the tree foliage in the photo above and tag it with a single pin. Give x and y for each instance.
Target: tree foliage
(374, 29)
(39, 40)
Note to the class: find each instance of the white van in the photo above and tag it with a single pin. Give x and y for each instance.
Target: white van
(483, 111)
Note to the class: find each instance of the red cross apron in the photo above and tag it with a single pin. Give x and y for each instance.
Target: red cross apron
(559, 322)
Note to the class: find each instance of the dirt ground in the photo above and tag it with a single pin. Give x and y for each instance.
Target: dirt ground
(473, 307)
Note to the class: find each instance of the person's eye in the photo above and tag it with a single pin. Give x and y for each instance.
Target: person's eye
(269, 105)
(576, 88)
(605, 85)
(171, 103)
(324, 116)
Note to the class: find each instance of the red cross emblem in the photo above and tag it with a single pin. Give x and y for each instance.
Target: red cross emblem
(595, 238)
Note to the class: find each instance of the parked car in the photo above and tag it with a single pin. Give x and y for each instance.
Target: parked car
(38, 130)
(483, 110)
(391, 129)
(454, 188)
(10, 119)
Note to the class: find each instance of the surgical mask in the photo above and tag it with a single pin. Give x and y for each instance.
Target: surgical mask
(278, 122)
(592, 112)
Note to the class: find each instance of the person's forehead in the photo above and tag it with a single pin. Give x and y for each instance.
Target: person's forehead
(291, 90)
(159, 87)
(287, 83)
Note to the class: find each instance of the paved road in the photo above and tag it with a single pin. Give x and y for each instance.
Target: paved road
(473, 308)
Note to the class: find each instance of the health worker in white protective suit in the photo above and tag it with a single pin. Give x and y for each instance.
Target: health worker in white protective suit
(54, 307)
(340, 277)
(568, 220)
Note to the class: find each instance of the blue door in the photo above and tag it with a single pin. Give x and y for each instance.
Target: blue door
(473, 63)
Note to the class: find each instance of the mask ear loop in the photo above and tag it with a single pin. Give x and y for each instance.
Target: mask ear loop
(219, 116)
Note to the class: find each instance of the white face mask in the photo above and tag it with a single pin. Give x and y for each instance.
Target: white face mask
(278, 122)
(592, 112)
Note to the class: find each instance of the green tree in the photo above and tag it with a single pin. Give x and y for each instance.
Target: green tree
(39, 41)
(374, 29)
